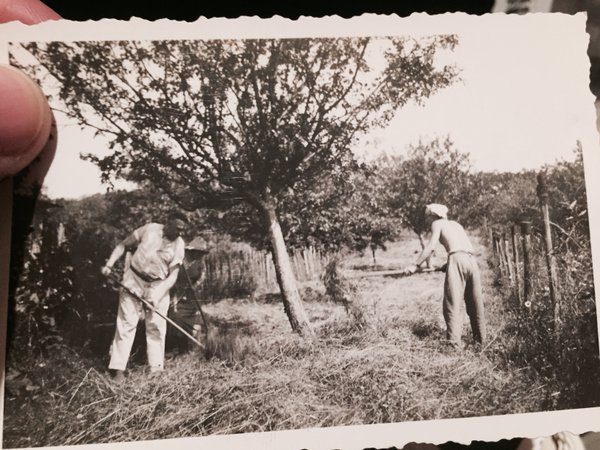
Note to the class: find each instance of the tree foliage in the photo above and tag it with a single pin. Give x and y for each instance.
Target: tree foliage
(335, 211)
(232, 120)
(222, 122)
(431, 172)
(340, 211)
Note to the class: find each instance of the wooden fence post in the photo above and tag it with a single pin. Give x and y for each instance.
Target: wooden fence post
(502, 255)
(515, 249)
(267, 263)
(487, 229)
(509, 264)
(296, 265)
(542, 193)
(229, 269)
(306, 264)
(498, 251)
(527, 264)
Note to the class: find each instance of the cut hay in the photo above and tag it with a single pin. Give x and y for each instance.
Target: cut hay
(340, 289)
(260, 376)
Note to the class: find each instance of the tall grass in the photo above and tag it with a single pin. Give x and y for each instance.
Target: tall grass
(255, 375)
(260, 382)
(566, 355)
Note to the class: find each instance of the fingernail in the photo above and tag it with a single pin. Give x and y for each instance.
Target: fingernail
(25, 120)
(29, 180)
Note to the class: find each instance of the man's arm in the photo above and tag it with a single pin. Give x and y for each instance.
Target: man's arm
(117, 252)
(436, 230)
(165, 286)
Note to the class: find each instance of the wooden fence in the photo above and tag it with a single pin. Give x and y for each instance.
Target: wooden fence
(242, 272)
(526, 258)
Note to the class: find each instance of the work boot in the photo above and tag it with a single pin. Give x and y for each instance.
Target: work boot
(118, 376)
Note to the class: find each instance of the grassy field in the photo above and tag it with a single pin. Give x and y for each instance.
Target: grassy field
(262, 377)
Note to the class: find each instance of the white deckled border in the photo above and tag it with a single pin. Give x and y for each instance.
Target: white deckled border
(351, 437)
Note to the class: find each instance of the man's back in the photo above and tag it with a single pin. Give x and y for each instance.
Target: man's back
(453, 236)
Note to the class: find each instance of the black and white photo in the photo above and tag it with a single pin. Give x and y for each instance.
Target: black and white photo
(301, 228)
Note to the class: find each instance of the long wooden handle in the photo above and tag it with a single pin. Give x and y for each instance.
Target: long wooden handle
(154, 310)
(396, 272)
(196, 299)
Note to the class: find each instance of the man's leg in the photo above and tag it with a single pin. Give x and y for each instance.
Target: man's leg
(127, 320)
(156, 331)
(454, 288)
(474, 304)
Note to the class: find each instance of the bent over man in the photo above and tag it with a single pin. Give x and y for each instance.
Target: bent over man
(151, 273)
(463, 279)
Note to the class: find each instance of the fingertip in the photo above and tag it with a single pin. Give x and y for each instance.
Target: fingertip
(32, 178)
(25, 121)
(26, 11)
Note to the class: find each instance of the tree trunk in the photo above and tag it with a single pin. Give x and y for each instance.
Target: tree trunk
(285, 276)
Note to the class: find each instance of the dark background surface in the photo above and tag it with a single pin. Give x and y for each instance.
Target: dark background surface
(191, 10)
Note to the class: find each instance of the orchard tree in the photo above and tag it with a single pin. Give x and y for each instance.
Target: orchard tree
(506, 197)
(568, 197)
(334, 211)
(432, 172)
(370, 221)
(218, 122)
(338, 211)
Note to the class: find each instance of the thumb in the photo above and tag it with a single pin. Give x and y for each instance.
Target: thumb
(25, 121)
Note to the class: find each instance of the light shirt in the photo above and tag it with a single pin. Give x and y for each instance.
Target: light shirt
(156, 256)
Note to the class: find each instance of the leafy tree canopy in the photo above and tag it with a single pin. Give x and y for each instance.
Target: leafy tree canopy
(431, 172)
(221, 121)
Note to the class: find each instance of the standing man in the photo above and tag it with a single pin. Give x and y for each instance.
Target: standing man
(151, 273)
(185, 302)
(462, 274)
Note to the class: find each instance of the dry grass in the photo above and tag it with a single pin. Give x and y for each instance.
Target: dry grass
(260, 377)
(341, 289)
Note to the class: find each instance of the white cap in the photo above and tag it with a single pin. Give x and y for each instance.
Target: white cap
(437, 210)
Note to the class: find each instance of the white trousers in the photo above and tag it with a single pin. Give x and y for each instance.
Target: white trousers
(130, 312)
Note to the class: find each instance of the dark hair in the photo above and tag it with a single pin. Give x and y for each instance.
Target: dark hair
(177, 215)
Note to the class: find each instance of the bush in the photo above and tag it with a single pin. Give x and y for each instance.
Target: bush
(566, 356)
(566, 353)
(56, 289)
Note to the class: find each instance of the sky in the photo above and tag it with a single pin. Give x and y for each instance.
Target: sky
(523, 101)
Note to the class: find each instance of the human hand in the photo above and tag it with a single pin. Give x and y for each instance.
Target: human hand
(559, 441)
(411, 269)
(25, 117)
(106, 271)
(155, 296)
(566, 440)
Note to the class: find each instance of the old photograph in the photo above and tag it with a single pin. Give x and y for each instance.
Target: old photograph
(243, 235)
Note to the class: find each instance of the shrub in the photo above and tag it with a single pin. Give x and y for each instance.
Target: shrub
(566, 353)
